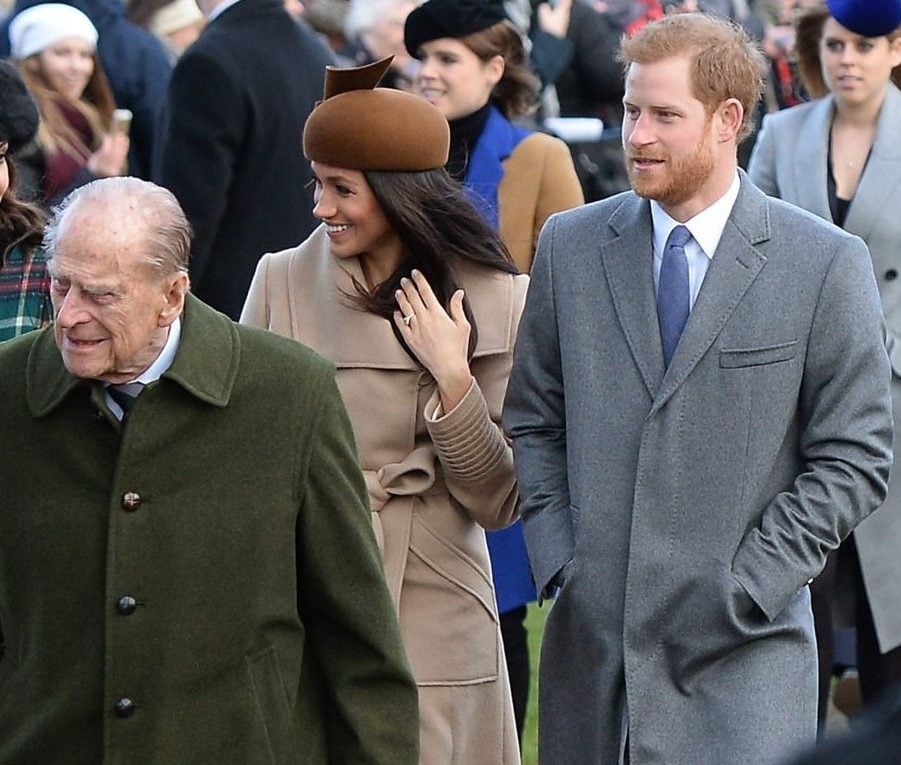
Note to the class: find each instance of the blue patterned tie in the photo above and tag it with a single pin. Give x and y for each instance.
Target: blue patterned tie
(673, 291)
(125, 395)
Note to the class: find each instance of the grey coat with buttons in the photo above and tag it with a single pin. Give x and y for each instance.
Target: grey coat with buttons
(688, 507)
(790, 162)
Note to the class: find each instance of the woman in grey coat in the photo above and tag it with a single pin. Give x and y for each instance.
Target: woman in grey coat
(839, 157)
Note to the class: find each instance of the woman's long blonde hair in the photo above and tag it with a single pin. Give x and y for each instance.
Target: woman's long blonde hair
(96, 104)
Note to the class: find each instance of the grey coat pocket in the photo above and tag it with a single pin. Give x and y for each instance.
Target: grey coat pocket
(755, 357)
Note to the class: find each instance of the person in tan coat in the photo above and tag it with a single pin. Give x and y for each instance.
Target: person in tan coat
(411, 294)
(475, 70)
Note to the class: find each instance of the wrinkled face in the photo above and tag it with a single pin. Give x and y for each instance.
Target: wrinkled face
(386, 36)
(455, 79)
(4, 169)
(355, 223)
(113, 310)
(856, 69)
(667, 136)
(67, 66)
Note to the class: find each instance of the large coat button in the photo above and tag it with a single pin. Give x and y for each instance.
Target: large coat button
(131, 500)
(126, 605)
(124, 707)
(891, 274)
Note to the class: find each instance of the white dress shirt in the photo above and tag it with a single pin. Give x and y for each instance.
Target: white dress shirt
(155, 371)
(706, 229)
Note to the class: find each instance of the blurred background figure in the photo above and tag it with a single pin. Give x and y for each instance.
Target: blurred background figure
(238, 101)
(24, 281)
(138, 71)
(175, 23)
(55, 47)
(875, 738)
(374, 29)
(838, 158)
(474, 68)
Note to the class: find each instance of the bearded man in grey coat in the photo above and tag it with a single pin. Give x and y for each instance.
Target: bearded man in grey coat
(700, 411)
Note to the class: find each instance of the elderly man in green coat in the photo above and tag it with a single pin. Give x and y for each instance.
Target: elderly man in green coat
(189, 575)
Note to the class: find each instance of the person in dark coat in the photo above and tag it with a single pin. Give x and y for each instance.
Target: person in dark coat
(238, 102)
(137, 68)
(188, 571)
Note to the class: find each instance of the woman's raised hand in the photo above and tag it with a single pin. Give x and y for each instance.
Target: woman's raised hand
(440, 339)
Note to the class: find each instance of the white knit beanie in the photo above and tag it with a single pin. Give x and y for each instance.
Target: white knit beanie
(37, 28)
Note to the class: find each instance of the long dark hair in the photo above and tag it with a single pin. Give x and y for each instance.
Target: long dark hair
(438, 227)
(20, 222)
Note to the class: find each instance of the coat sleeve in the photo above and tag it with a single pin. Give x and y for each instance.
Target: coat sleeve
(475, 456)
(200, 148)
(845, 440)
(560, 188)
(371, 706)
(535, 420)
(762, 165)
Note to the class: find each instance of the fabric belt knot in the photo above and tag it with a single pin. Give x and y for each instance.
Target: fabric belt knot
(124, 396)
(673, 291)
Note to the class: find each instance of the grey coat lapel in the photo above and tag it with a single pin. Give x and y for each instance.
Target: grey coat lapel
(733, 269)
(629, 267)
(882, 175)
(811, 163)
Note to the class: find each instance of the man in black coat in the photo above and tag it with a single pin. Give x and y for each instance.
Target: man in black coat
(231, 152)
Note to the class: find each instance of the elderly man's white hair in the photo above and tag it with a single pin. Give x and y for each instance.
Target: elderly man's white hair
(166, 227)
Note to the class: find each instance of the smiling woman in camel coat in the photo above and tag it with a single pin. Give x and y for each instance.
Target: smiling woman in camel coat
(435, 479)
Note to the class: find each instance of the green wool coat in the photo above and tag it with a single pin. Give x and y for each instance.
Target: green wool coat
(213, 563)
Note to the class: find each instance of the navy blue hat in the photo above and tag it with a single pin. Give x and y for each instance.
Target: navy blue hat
(870, 18)
(450, 18)
(18, 114)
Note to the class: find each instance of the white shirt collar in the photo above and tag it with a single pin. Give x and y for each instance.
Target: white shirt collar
(706, 227)
(166, 357)
(220, 9)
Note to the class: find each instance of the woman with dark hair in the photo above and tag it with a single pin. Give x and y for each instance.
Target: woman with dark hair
(411, 294)
(55, 47)
(474, 68)
(24, 281)
(838, 157)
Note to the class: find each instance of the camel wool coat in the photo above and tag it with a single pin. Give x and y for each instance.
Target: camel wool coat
(435, 481)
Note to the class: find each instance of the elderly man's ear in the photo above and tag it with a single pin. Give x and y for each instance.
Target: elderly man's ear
(177, 288)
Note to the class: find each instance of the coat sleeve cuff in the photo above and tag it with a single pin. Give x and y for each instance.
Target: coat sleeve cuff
(468, 443)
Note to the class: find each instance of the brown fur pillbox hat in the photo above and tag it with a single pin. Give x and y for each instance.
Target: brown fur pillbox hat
(361, 127)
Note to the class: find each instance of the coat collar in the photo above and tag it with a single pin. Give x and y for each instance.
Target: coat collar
(811, 161)
(734, 268)
(205, 365)
(323, 317)
(882, 174)
(485, 169)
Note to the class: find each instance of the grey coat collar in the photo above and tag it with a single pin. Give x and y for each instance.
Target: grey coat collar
(733, 269)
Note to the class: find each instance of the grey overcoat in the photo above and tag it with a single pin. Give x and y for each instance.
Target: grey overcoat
(789, 161)
(690, 508)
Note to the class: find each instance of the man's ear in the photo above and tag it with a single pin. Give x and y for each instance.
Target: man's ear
(176, 291)
(729, 118)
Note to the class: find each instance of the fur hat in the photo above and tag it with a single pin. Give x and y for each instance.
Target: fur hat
(361, 127)
(449, 18)
(37, 28)
(870, 18)
(18, 114)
